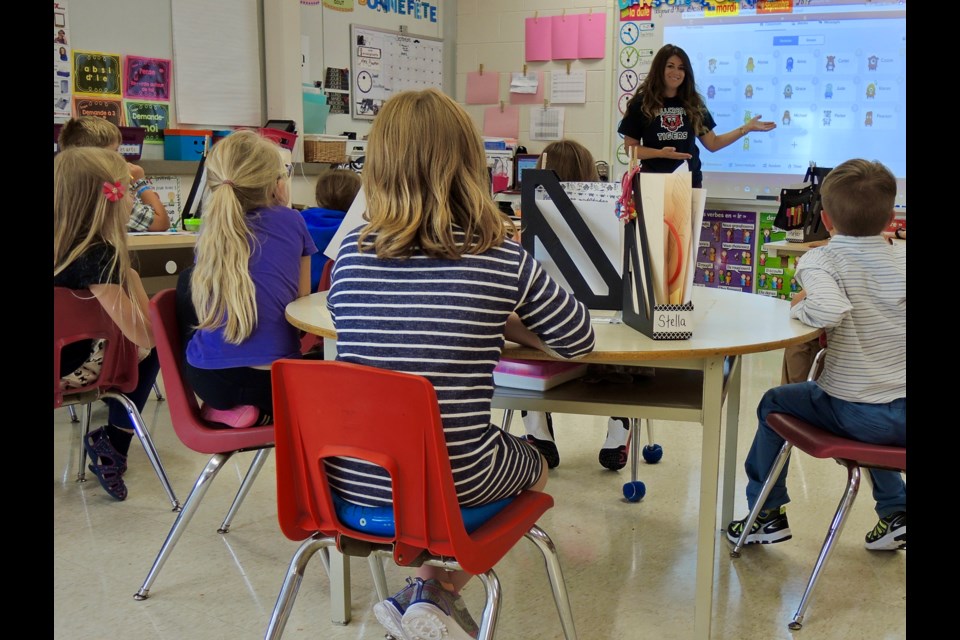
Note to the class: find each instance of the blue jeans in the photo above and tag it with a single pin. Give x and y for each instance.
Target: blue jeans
(873, 423)
(146, 376)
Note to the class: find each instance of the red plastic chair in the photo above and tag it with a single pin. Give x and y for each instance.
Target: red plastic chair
(78, 315)
(195, 432)
(819, 443)
(309, 340)
(325, 409)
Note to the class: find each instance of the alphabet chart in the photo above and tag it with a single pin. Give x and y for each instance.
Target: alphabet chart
(387, 62)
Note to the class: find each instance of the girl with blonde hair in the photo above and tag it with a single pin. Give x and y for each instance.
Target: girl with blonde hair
(92, 201)
(252, 259)
(432, 285)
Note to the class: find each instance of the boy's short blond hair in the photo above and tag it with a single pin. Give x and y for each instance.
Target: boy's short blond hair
(89, 131)
(337, 188)
(858, 195)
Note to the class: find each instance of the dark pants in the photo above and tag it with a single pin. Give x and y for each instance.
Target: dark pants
(228, 388)
(147, 375)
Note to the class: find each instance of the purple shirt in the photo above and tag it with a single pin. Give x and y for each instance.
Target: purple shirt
(281, 240)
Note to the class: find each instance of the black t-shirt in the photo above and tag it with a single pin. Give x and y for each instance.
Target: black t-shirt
(92, 267)
(670, 128)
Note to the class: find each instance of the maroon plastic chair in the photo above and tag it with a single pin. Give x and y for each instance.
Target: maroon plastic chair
(310, 341)
(820, 443)
(79, 316)
(196, 433)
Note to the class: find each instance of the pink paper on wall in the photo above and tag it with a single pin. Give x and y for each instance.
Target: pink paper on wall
(505, 124)
(537, 40)
(529, 98)
(593, 35)
(483, 88)
(565, 37)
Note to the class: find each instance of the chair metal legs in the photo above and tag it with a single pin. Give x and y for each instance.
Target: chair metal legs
(775, 470)
(836, 526)
(291, 583)
(248, 479)
(491, 583)
(73, 413)
(552, 561)
(507, 419)
(141, 430)
(183, 519)
(156, 390)
(82, 467)
(491, 608)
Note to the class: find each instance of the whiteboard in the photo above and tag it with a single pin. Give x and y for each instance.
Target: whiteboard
(387, 62)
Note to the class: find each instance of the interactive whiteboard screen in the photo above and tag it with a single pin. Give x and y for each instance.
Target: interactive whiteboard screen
(831, 75)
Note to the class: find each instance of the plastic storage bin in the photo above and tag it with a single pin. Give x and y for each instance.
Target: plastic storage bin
(220, 134)
(285, 139)
(184, 144)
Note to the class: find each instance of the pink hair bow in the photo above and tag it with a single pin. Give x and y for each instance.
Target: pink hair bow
(114, 191)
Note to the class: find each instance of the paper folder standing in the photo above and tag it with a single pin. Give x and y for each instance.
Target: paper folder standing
(660, 252)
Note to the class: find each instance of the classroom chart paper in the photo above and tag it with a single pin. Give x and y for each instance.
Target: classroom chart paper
(593, 35)
(538, 41)
(568, 87)
(546, 123)
(483, 87)
(531, 80)
(387, 62)
(501, 122)
(565, 37)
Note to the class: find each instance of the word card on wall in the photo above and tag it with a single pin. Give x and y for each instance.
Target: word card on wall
(387, 62)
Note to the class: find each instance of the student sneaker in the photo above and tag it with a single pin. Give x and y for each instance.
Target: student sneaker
(436, 614)
(390, 611)
(770, 527)
(547, 448)
(613, 454)
(890, 533)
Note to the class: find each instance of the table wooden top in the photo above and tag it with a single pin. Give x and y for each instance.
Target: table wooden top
(161, 240)
(724, 323)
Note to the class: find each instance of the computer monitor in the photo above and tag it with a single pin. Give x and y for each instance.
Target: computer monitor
(522, 162)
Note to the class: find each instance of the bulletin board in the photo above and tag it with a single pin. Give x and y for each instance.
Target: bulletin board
(387, 62)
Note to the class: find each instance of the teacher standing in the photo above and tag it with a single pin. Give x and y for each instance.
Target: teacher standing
(667, 114)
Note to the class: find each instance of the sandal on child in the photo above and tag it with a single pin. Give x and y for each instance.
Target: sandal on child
(112, 464)
(241, 417)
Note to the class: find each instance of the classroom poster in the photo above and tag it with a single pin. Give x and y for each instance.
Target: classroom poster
(110, 110)
(146, 78)
(96, 73)
(152, 116)
(339, 5)
(168, 188)
(62, 88)
(725, 253)
(775, 275)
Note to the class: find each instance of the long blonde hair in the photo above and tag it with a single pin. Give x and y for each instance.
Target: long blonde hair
(243, 173)
(426, 171)
(82, 214)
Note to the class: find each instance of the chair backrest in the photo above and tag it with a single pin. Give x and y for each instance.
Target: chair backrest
(195, 432)
(78, 315)
(324, 409)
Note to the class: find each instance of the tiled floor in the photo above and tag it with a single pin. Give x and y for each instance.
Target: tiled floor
(629, 567)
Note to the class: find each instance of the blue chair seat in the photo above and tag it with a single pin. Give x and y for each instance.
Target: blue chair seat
(378, 521)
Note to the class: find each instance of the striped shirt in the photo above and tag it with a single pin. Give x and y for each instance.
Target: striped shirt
(444, 320)
(856, 289)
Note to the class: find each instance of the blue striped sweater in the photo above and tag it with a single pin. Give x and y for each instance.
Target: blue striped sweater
(444, 319)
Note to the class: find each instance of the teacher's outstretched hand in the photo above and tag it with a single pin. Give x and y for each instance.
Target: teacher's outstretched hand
(755, 124)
